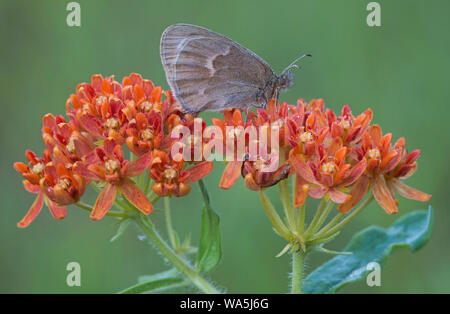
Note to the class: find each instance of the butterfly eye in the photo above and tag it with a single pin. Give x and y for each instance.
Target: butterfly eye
(286, 80)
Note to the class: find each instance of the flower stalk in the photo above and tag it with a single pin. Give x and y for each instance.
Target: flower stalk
(298, 265)
(180, 264)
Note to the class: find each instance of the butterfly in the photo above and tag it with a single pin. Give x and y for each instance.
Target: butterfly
(210, 72)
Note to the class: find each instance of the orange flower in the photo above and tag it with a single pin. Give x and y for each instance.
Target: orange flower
(268, 118)
(386, 164)
(98, 108)
(256, 179)
(108, 164)
(349, 128)
(327, 172)
(307, 127)
(171, 179)
(232, 118)
(145, 133)
(65, 189)
(63, 140)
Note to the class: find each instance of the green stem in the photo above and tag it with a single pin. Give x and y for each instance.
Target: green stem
(274, 217)
(333, 222)
(147, 182)
(193, 276)
(346, 220)
(109, 213)
(316, 218)
(323, 217)
(298, 262)
(287, 205)
(170, 231)
(301, 218)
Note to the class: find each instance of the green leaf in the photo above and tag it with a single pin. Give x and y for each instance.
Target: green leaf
(209, 250)
(152, 283)
(373, 244)
(162, 275)
(122, 227)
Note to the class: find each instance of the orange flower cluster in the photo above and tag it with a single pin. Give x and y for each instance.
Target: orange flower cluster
(340, 157)
(106, 117)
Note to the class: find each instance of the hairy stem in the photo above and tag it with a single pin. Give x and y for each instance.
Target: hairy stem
(298, 262)
(170, 230)
(183, 267)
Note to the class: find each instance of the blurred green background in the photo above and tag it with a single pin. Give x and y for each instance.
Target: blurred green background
(400, 70)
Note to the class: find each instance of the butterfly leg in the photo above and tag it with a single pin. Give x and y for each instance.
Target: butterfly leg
(276, 94)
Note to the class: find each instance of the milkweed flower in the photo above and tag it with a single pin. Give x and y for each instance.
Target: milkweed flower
(386, 165)
(97, 108)
(170, 176)
(57, 186)
(328, 173)
(109, 166)
(259, 166)
(340, 156)
(64, 141)
(234, 119)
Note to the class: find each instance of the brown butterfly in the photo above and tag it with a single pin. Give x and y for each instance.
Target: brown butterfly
(210, 72)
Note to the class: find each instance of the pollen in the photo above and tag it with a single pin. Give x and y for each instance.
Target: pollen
(71, 146)
(146, 135)
(170, 173)
(328, 167)
(374, 153)
(146, 106)
(112, 123)
(112, 165)
(306, 137)
(100, 100)
(64, 183)
(37, 168)
(345, 124)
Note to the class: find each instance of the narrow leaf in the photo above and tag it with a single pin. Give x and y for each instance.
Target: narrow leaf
(122, 227)
(209, 250)
(372, 244)
(152, 283)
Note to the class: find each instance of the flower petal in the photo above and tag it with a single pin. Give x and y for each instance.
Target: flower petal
(317, 192)
(58, 212)
(250, 183)
(30, 187)
(301, 190)
(104, 201)
(355, 173)
(357, 193)
(33, 211)
(198, 171)
(337, 196)
(139, 165)
(230, 174)
(82, 170)
(383, 195)
(136, 197)
(409, 192)
(302, 169)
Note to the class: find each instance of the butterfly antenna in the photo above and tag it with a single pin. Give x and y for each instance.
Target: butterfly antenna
(293, 64)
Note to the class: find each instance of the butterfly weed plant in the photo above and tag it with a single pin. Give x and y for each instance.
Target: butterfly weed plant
(117, 138)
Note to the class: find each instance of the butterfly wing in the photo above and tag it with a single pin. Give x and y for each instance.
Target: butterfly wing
(209, 72)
